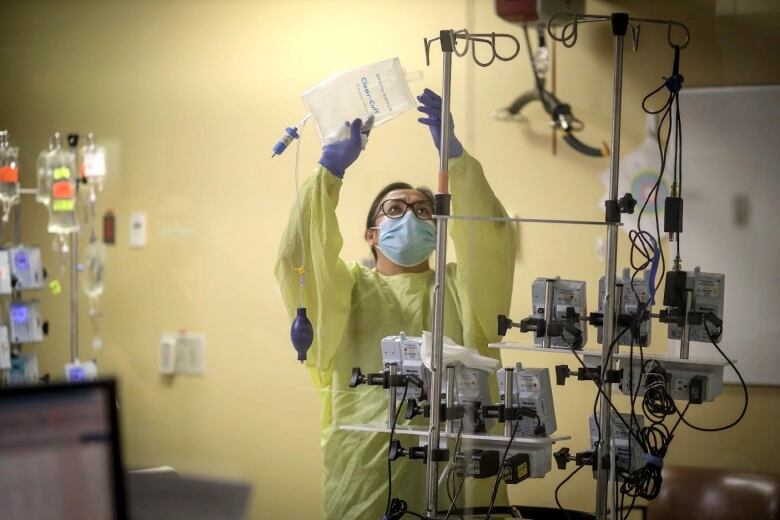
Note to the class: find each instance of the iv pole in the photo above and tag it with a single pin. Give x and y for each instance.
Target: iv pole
(73, 141)
(606, 498)
(442, 202)
(442, 199)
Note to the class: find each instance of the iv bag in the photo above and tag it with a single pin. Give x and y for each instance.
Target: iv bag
(93, 164)
(60, 173)
(379, 89)
(43, 170)
(93, 280)
(9, 174)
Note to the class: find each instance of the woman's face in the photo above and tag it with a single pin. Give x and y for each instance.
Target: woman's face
(387, 208)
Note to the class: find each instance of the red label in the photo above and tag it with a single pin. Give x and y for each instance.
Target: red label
(62, 190)
(8, 174)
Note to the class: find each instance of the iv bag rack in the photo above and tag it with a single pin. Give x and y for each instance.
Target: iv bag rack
(422, 431)
(526, 220)
(597, 354)
(620, 23)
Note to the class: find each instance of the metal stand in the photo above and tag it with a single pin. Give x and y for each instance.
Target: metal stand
(606, 498)
(73, 141)
(442, 200)
(447, 39)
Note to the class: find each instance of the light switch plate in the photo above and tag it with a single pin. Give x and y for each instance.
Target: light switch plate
(137, 230)
(182, 353)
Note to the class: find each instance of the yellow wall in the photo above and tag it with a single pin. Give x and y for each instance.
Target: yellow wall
(190, 96)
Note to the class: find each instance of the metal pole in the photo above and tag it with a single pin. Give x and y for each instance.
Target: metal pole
(392, 368)
(603, 489)
(442, 208)
(73, 140)
(18, 223)
(549, 311)
(449, 399)
(509, 377)
(685, 337)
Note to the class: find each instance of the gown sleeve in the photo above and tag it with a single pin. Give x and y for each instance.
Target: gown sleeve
(485, 254)
(314, 236)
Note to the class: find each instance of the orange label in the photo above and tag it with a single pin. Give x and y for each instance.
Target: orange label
(9, 174)
(62, 190)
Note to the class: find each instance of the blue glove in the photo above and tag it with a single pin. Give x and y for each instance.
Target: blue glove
(339, 156)
(431, 106)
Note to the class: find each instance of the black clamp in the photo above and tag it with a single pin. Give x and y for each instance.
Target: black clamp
(442, 455)
(397, 451)
(627, 203)
(384, 379)
(614, 208)
(447, 414)
(675, 82)
(503, 413)
(562, 372)
(584, 458)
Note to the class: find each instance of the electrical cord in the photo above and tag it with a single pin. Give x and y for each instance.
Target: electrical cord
(500, 473)
(451, 475)
(741, 380)
(390, 462)
(454, 499)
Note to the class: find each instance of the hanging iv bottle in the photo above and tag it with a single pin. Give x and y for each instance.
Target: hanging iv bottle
(94, 271)
(9, 174)
(92, 159)
(63, 178)
(44, 169)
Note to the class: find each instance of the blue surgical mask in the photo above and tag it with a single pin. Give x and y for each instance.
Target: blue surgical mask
(408, 240)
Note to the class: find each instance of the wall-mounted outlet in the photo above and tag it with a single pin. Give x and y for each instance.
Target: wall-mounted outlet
(680, 385)
(182, 353)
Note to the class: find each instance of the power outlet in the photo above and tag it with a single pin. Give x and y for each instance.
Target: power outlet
(680, 385)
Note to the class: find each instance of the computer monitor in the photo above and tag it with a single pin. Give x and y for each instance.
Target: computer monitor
(59, 453)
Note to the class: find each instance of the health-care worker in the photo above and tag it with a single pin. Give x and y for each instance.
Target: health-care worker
(352, 307)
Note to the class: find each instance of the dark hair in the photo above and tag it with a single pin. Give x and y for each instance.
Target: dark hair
(383, 193)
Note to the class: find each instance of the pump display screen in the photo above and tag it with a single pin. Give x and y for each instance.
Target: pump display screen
(22, 261)
(20, 314)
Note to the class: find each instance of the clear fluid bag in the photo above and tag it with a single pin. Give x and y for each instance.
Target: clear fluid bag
(60, 170)
(93, 280)
(92, 159)
(43, 170)
(380, 89)
(9, 174)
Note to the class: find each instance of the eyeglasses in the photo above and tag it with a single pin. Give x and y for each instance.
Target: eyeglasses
(397, 208)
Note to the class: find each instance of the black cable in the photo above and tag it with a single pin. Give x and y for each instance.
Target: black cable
(451, 475)
(390, 462)
(741, 380)
(500, 473)
(452, 504)
(569, 477)
(603, 373)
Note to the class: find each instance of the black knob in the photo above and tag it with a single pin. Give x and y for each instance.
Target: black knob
(357, 378)
(562, 458)
(561, 373)
(627, 203)
(396, 450)
(504, 324)
(412, 409)
(45, 328)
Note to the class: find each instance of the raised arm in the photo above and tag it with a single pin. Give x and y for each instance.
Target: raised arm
(485, 250)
